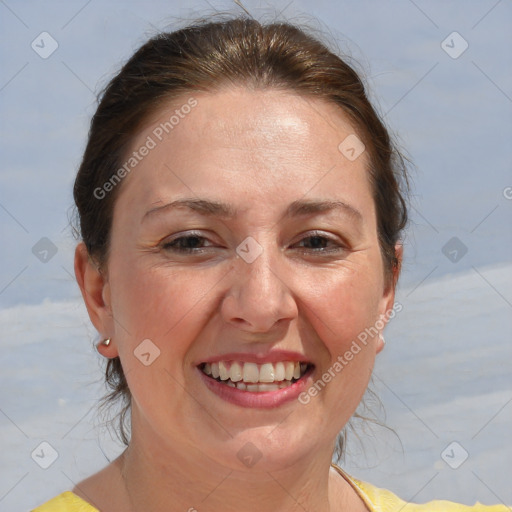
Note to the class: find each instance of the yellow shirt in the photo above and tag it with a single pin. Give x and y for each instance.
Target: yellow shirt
(376, 500)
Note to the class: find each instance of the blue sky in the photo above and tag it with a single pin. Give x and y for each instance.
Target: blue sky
(453, 116)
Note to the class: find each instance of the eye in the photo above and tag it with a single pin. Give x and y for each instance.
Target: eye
(320, 244)
(192, 243)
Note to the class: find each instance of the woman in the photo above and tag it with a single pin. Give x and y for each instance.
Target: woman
(241, 206)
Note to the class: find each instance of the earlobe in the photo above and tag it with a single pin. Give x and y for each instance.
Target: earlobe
(107, 349)
(95, 292)
(381, 342)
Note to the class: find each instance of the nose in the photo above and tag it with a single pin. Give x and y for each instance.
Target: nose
(258, 298)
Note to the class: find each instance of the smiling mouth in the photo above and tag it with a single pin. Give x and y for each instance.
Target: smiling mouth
(256, 378)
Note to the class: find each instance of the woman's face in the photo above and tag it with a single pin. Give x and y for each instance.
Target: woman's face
(245, 242)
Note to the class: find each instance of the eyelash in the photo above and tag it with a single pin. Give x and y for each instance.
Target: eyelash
(169, 246)
(339, 247)
(173, 245)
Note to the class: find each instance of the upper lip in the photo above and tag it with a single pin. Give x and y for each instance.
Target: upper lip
(273, 356)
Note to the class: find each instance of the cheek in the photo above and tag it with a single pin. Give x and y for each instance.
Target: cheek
(337, 306)
(341, 310)
(343, 317)
(347, 307)
(159, 312)
(163, 304)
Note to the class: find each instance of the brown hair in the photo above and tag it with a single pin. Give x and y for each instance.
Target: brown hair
(206, 56)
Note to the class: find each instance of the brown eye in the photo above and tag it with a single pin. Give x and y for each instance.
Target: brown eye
(319, 244)
(192, 243)
(316, 242)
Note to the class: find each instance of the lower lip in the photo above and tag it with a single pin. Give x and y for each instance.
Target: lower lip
(263, 400)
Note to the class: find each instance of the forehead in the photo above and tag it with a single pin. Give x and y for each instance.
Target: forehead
(236, 140)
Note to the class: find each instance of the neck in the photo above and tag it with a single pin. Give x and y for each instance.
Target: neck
(159, 477)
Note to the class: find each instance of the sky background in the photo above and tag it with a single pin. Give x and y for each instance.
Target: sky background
(452, 110)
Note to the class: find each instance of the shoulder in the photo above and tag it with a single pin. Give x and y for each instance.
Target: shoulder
(382, 500)
(66, 502)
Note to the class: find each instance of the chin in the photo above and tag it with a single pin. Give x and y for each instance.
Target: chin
(263, 449)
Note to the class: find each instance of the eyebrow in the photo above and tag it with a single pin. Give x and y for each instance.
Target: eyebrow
(308, 207)
(297, 208)
(202, 206)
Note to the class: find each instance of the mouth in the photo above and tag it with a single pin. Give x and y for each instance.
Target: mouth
(256, 378)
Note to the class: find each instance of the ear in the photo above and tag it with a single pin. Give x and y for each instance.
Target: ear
(388, 298)
(95, 290)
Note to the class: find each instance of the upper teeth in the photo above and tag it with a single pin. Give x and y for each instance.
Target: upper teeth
(237, 371)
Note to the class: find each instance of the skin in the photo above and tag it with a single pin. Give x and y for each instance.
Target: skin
(258, 151)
